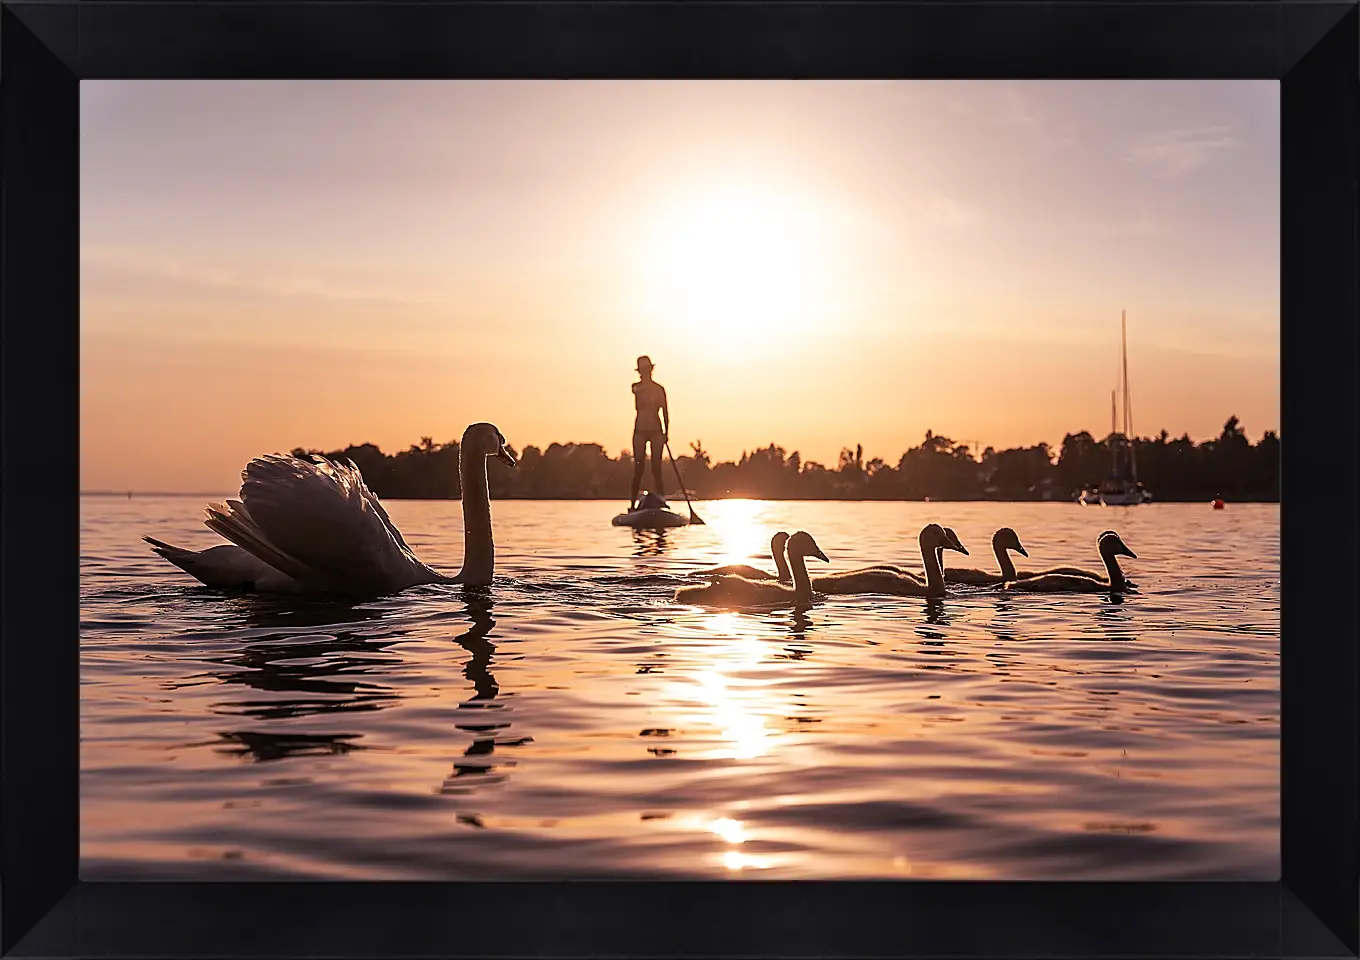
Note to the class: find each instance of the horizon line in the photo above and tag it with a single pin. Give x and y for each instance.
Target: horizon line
(1056, 447)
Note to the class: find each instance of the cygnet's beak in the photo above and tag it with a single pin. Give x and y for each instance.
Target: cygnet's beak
(817, 552)
(1128, 553)
(505, 457)
(1019, 548)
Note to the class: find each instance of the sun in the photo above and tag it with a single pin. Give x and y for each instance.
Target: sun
(734, 265)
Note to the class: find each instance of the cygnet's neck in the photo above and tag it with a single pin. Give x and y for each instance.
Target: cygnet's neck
(781, 565)
(802, 585)
(930, 558)
(1003, 560)
(1112, 571)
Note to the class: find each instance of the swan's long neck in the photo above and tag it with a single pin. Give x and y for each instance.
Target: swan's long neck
(479, 553)
(802, 586)
(1003, 560)
(1112, 571)
(930, 557)
(781, 565)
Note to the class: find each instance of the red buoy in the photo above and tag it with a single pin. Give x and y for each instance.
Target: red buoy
(1218, 504)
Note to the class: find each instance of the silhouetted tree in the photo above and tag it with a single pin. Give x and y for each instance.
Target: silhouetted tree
(940, 469)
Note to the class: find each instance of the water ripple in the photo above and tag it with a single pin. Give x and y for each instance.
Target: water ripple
(573, 721)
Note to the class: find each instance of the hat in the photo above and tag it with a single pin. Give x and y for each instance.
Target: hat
(644, 361)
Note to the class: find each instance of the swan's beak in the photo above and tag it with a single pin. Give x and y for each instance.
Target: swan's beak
(1128, 553)
(817, 552)
(503, 455)
(1021, 550)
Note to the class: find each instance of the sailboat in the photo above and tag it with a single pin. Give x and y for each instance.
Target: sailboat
(1121, 487)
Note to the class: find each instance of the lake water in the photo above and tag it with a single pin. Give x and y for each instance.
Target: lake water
(572, 721)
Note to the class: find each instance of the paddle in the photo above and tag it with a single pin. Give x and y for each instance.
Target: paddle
(693, 517)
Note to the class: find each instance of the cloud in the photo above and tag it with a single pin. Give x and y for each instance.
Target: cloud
(99, 267)
(1017, 108)
(1174, 153)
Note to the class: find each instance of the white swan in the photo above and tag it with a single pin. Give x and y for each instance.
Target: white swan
(1003, 541)
(934, 539)
(748, 572)
(1111, 546)
(315, 527)
(736, 591)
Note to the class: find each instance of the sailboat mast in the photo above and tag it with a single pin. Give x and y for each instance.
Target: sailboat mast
(1128, 417)
(1124, 365)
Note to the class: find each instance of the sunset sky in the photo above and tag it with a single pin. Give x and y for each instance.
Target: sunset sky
(317, 263)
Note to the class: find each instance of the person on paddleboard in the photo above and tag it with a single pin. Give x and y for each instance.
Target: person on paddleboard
(651, 426)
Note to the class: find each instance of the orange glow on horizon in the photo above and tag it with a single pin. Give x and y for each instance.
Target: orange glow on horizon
(816, 265)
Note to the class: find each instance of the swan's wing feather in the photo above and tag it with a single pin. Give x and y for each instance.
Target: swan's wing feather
(874, 574)
(1060, 583)
(730, 589)
(889, 582)
(1060, 572)
(232, 521)
(968, 575)
(1078, 572)
(743, 570)
(323, 515)
(378, 508)
(225, 565)
(731, 580)
(875, 568)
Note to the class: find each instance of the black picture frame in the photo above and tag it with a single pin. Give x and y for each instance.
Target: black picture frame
(47, 46)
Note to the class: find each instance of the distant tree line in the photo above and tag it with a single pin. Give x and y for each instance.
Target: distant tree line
(1229, 465)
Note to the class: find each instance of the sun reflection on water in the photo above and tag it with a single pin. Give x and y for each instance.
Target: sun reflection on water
(731, 699)
(743, 530)
(733, 831)
(736, 860)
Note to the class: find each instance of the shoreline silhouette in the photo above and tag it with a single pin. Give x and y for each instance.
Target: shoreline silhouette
(937, 469)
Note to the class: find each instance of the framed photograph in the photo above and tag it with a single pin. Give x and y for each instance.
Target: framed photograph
(842, 479)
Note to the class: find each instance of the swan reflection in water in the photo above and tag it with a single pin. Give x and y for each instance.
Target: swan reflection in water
(289, 673)
(1003, 622)
(299, 672)
(936, 615)
(1113, 622)
(483, 715)
(936, 612)
(799, 625)
(261, 747)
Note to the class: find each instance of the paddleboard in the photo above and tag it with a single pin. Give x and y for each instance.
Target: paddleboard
(651, 518)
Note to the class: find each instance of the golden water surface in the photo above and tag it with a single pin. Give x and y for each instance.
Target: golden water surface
(572, 721)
